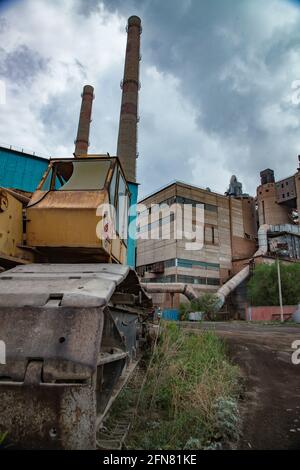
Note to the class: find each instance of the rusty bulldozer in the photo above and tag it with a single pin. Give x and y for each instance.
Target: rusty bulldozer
(73, 316)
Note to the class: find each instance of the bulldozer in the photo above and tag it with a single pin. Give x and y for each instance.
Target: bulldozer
(73, 315)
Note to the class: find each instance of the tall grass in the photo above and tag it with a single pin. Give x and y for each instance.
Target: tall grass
(189, 400)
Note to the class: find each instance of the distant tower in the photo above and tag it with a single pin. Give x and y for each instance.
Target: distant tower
(267, 176)
(82, 139)
(127, 139)
(235, 187)
(269, 211)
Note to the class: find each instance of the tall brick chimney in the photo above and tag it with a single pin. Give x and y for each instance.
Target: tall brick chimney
(82, 139)
(127, 139)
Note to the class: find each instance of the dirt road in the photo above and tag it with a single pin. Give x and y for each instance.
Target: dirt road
(271, 406)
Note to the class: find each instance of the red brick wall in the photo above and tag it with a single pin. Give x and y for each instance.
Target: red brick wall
(268, 313)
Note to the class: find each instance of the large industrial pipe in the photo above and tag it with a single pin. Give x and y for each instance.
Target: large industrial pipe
(231, 285)
(82, 139)
(170, 288)
(242, 275)
(127, 138)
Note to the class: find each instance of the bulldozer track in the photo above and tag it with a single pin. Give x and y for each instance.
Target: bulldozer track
(114, 430)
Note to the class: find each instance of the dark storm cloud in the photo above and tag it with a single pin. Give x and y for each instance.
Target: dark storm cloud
(223, 58)
(21, 65)
(216, 83)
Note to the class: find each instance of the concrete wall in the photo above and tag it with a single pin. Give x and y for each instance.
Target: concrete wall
(269, 211)
(297, 184)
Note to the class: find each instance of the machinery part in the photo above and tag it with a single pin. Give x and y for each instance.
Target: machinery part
(67, 350)
(11, 229)
(17, 195)
(3, 201)
(113, 432)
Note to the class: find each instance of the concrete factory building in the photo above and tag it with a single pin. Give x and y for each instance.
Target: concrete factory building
(230, 231)
(278, 202)
(237, 230)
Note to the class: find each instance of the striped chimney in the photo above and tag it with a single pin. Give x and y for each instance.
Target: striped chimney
(127, 139)
(82, 139)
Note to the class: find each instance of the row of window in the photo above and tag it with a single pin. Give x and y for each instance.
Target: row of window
(179, 200)
(158, 223)
(186, 280)
(182, 263)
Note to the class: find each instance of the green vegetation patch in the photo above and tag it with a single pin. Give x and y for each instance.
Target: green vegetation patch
(262, 289)
(207, 304)
(189, 400)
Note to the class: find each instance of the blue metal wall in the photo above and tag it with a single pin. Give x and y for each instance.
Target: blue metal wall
(21, 170)
(170, 314)
(131, 242)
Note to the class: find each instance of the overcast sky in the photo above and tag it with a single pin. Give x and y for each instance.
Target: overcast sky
(216, 96)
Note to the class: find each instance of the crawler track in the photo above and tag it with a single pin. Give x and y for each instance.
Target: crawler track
(116, 425)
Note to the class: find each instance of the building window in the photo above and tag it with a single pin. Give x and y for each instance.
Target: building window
(181, 263)
(209, 235)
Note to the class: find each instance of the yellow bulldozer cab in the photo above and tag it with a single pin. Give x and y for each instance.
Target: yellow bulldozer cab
(80, 210)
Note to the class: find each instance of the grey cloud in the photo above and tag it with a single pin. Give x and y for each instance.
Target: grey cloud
(189, 43)
(21, 65)
(232, 75)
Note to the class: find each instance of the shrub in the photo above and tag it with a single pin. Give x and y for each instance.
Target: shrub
(262, 289)
(206, 303)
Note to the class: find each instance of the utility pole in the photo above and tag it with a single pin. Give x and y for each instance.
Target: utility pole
(280, 291)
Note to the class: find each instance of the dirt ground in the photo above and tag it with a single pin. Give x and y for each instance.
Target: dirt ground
(270, 407)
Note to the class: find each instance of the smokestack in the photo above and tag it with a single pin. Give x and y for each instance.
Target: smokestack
(82, 139)
(127, 139)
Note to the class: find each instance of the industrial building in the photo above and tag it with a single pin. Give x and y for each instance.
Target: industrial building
(278, 201)
(230, 232)
(237, 230)
(278, 211)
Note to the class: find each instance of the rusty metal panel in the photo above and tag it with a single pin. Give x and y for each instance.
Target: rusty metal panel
(68, 218)
(55, 416)
(87, 285)
(11, 221)
(71, 336)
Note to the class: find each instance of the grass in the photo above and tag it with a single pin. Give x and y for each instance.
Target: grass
(189, 400)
